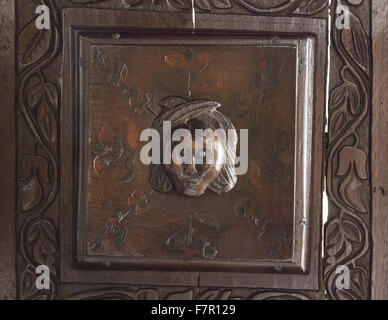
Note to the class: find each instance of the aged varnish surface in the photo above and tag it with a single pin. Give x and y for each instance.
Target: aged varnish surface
(76, 198)
(256, 91)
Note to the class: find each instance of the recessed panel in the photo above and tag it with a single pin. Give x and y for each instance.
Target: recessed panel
(159, 214)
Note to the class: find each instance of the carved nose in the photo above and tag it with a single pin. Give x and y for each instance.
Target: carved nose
(190, 169)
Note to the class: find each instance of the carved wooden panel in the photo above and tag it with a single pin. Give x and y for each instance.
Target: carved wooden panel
(46, 78)
(316, 8)
(347, 232)
(106, 103)
(119, 184)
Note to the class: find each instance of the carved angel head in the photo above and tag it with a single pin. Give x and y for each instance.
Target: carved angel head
(197, 175)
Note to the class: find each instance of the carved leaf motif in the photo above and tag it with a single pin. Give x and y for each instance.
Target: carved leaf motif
(184, 295)
(33, 172)
(29, 163)
(353, 156)
(34, 96)
(352, 192)
(47, 123)
(32, 193)
(27, 280)
(106, 135)
(359, 282)
(207, 219)
(350, 231)
(356, 43)
(147, 294)
(345, 104)
(33, 44)
(43, 97)
(345, 295)
(139, 100)
(307, 7)
(133, 2)
(222, 4)
(114, 151)
(273, 6)
(216, 295)
(333, 234)
(188, 61)
(179, 240)
(338, 121)
(98, 165)
(130, 168)
(278, 296)
(310, 7)
(203, 4)
(179, 4)
(115, 232)
(41, 238)
(42, 91)
(177, 60)
(355, 2)
(28, 286)
(358, 286)
(339, 238)
(113, 293)
(108, 151)
(140, 202)
(347, 98)
(51, 95)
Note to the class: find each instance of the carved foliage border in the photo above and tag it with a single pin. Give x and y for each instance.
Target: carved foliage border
(38, 156)
(347, 231)
(263, 7)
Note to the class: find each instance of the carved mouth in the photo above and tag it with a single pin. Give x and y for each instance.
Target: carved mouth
(191, 183)
(190, 187)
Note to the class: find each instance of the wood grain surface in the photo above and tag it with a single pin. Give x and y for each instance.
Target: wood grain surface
(380, 150)
(7, 150)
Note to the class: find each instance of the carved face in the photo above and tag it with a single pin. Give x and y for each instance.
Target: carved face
(209, 165)
(192, 179)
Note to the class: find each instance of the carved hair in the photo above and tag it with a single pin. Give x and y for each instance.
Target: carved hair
(184, 113)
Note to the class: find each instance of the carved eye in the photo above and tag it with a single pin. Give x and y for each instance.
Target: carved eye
(199, 168)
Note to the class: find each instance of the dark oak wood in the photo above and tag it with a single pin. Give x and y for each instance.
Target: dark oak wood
(252, 27)
(33, 170)
(380, 150)
(348, 155)
(7, 152)
(318, 28)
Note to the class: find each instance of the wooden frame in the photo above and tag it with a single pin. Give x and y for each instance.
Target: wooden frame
(7, 159)
(74, 39)
(379, 150)
(348, 162)
(349, 221)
